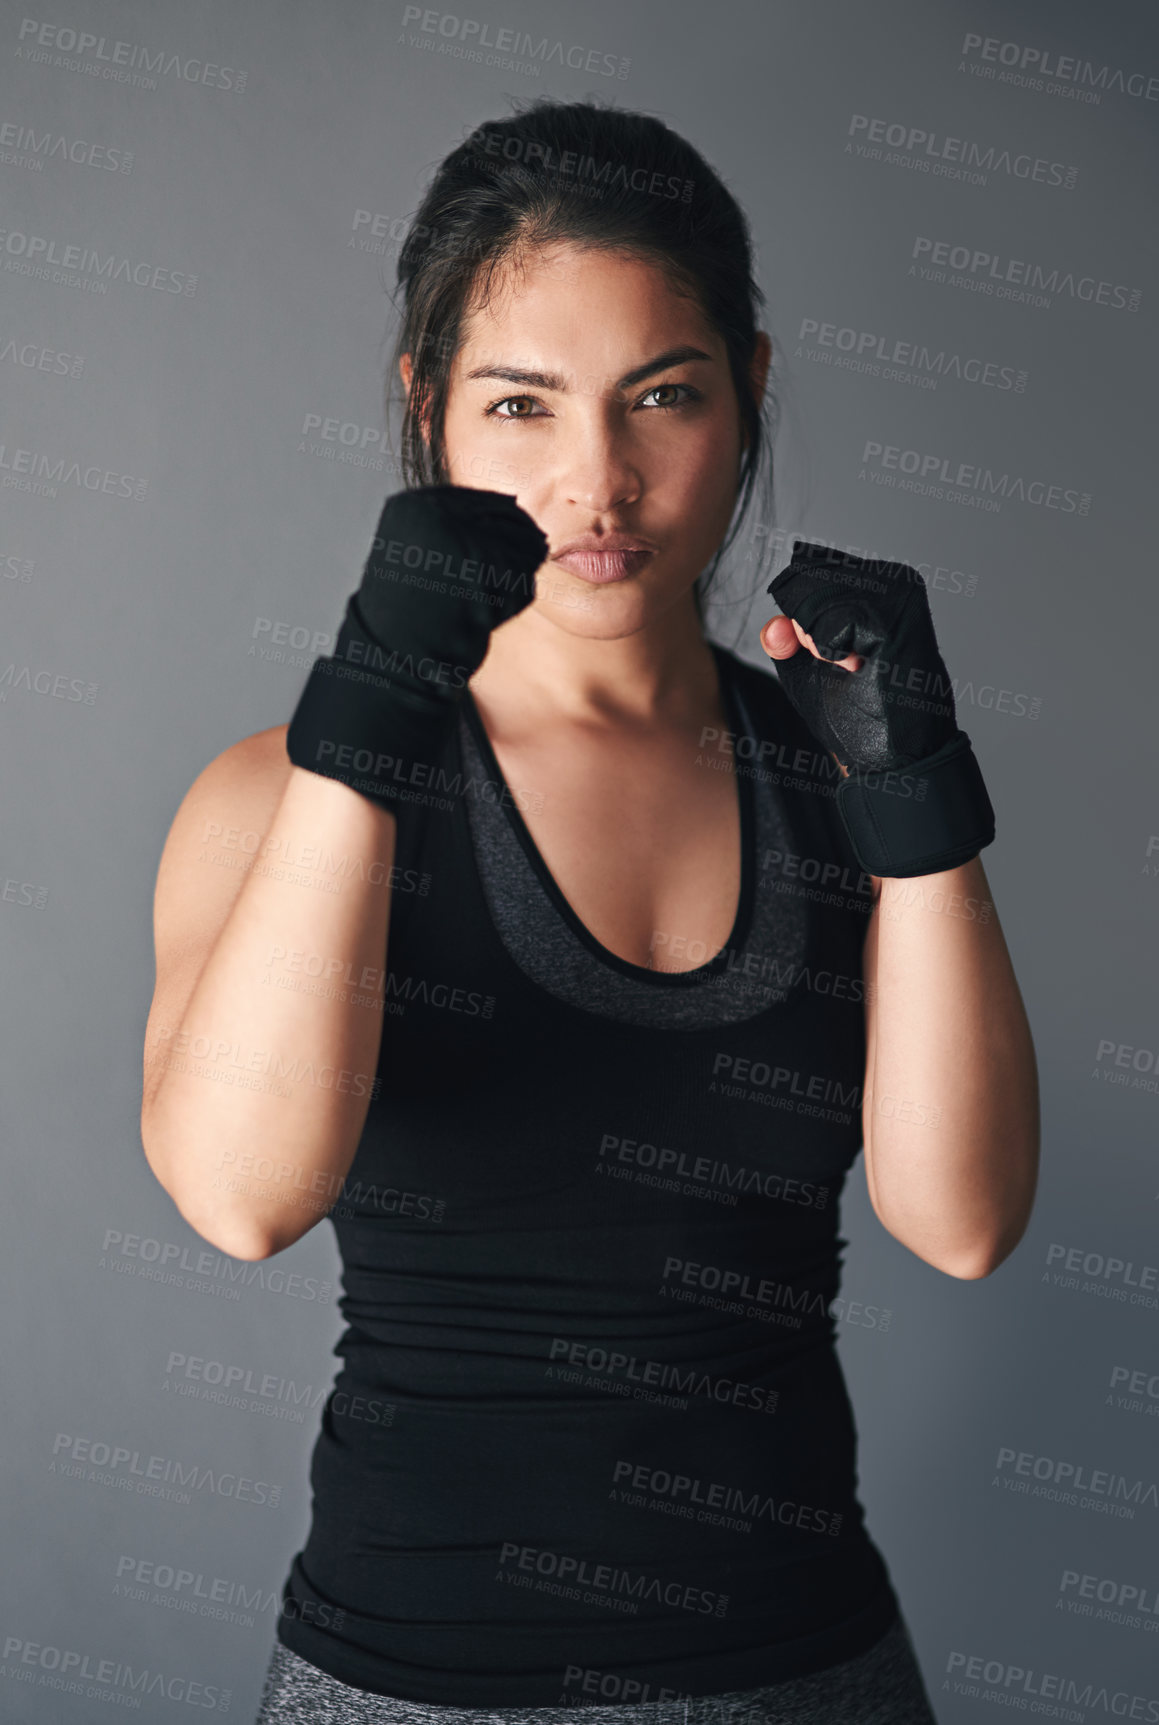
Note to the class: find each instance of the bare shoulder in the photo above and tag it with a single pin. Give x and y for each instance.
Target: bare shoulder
(227, 809)
(251, 764)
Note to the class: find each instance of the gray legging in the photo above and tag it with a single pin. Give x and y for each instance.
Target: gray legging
(882, 1686)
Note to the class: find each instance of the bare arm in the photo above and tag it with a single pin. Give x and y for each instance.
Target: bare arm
(258, 1074)
(950, 1110)
(950, 1107)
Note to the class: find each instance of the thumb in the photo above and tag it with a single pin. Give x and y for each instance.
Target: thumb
(779, 638)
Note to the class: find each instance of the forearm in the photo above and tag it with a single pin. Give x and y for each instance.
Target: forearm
(950, 1112)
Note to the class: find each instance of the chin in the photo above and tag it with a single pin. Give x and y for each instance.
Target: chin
(607, 611)
(597, 613)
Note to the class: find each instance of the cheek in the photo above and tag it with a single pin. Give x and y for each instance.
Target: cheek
(705, 460)
(463, 451)
(697, 486)
(477, 456)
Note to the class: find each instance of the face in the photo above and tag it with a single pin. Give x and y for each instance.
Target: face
(602, 402)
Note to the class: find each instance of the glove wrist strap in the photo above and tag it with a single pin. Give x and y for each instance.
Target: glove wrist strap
(920, 819)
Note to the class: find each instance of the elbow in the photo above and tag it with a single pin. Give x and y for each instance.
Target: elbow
(968, 1264)
(239, 1241)
(984, 1259)
(971, 1269)
(235, 1236)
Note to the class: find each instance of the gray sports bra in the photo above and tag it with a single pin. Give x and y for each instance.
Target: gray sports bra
(545, 938)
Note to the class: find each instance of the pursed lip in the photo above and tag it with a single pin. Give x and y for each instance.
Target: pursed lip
(602, 557)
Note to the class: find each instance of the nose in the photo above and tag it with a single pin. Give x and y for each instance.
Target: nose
(596, 470)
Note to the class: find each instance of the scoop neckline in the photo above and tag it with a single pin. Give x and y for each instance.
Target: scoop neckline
(734, 709)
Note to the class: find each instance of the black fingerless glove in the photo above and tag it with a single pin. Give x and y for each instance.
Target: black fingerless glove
(914, 802)
(448, 565)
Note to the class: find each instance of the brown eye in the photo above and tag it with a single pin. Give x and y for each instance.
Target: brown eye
(686, 396)
(509, 401)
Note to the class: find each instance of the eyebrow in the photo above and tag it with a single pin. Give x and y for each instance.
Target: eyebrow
(553, 380)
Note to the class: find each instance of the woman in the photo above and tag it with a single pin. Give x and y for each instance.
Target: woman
(583, 1128)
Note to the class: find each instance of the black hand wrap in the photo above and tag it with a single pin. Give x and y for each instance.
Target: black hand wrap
(448, 565)
(914, 802)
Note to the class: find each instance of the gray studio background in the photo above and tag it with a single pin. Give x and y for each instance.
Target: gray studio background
(228, 516)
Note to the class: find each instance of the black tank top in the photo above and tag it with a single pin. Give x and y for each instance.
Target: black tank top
(590, 1416)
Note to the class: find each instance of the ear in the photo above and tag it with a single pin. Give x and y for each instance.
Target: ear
(406, 372)
(758, 374)
(759, 365)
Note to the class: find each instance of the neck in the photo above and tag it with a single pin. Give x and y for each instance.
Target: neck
(664, 672)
